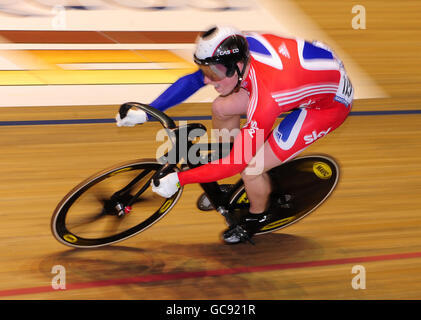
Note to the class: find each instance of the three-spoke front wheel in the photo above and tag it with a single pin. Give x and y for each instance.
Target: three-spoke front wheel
(111, 206)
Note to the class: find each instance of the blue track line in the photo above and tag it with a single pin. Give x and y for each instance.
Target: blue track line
(193, 118)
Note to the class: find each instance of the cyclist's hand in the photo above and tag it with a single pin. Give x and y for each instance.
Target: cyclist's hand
(133, 117)
(168, 185)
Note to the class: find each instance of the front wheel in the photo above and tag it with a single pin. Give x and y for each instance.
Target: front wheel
(300, 185)
(111, 206)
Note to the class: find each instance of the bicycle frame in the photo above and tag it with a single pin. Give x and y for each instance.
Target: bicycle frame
(217, 197)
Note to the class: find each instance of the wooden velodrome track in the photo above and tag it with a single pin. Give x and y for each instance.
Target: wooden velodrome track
(372, 219)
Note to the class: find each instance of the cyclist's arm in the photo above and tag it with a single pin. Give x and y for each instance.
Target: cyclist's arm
(216, 170)
(179, 91)
(246, 144)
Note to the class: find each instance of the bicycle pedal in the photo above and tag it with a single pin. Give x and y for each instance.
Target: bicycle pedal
(284, 199)
(237, 234)
(203, 203)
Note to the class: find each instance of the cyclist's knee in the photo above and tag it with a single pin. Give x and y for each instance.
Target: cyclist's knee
(219, 109)
(248, 177)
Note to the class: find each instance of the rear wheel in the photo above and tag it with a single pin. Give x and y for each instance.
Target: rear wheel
(301, 185)
(111, 206)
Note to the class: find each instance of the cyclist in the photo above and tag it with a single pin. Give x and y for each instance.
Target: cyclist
(261, 76)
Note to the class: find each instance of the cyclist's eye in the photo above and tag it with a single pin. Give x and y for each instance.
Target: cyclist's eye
(214, 72)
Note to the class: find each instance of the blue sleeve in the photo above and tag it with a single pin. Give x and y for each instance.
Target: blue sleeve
(179, 91)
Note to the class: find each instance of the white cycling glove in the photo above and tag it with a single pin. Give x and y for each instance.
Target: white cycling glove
(168, 185)
(133, 117)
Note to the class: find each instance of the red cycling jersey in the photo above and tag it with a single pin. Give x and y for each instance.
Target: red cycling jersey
(284, 74)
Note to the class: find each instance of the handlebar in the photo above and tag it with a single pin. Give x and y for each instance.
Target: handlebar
(165, 120)
(169, 125)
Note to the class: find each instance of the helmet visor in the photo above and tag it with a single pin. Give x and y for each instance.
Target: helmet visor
(215, 72)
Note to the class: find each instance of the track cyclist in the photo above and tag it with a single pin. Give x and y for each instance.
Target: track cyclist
(260, 76)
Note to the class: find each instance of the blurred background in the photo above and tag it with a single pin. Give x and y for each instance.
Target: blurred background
(66, 66)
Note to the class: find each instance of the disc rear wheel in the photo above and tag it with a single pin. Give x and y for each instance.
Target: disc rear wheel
(300, 186)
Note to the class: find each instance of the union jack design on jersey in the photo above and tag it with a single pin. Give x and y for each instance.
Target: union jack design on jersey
(291, 96)
(285, 75)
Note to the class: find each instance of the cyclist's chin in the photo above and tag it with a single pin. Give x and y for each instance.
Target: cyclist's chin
(218, 88)
(223, 90)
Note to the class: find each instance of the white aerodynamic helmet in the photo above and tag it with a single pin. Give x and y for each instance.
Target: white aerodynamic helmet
(219, 49)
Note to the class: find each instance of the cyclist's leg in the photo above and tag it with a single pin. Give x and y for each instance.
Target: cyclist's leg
(257, 181)
(295, 133)
(226, 113)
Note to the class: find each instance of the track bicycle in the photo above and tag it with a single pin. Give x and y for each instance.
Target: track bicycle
(117, 203)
